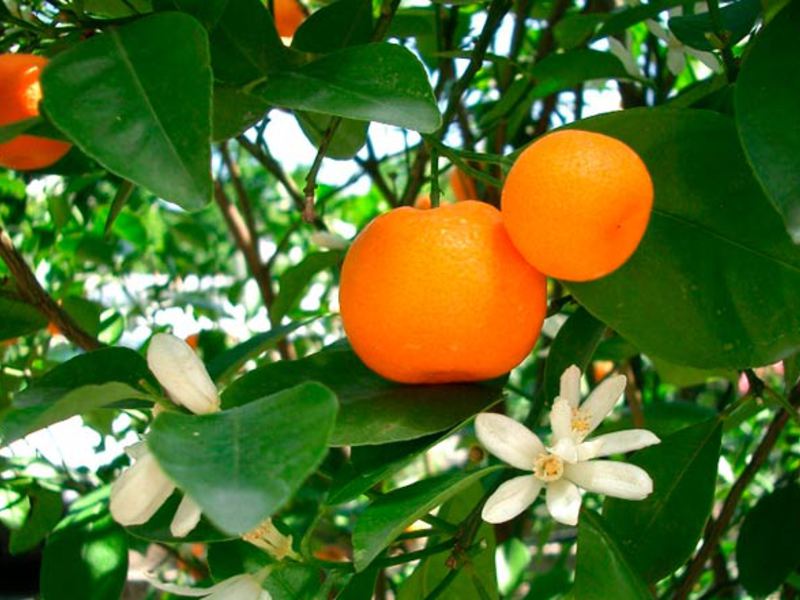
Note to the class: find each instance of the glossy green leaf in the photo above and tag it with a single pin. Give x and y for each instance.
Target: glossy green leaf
(767, 551)
(86, 557)
(373, 82)
(116, 9)
(45, 513)
(145, 95)
(573, 345)
(766, 103)
(389, 515)
(235, 111)
(335, 26)
(716, 280)
(602, 569)
(432, 570)
(682, 376)
(574, 30)
(208, 12)
(698, 31)
(241, 465)
(349, 138)
(566, 70)
(290, 581)
(373, 410)
(662, 418)
(16, 423)
(19, 318)
(659, 533)
(294, 280)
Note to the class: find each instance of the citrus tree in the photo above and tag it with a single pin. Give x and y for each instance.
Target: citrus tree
(447, 354)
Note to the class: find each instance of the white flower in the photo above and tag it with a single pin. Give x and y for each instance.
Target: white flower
(240, 587)
(140, 491)
(569, 463)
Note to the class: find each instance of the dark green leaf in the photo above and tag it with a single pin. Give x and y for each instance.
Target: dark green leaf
(373, 410)
(208, 12)
(84, 312)
(699, 31)
(145, 95)
(231, 558)
(575, 29)
(290, 581)
(767, 550)
(716, 279)
(766, 103)
(566, 70)
(602, 570)
(663, 418)
(625, 17)
(349, 138)
(389, 515)
(116, 9)
(659, 533)
(45, 513)
(573, 345)
(157, 529)
(335, 26)
(235, 111)
(374, 82)
(86, 557)
(19, 318)
(12, 130)
(242, 465)
(295, 279)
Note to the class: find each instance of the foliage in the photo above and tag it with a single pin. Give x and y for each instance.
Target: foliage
(181, 208)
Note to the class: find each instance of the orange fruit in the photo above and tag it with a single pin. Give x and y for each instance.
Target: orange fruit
(288, 16)
(463, 185)
(193, 341)
(20, 94)
(576, 204)
(422, 202)
(440, 295)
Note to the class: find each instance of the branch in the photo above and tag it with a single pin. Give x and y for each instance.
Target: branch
(274, 167)
(34, 294)
(695, 567)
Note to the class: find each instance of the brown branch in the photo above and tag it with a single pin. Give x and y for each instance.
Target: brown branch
(34, 294)
(273, 166)
(241, 193)
(633, 396)
(695, 567)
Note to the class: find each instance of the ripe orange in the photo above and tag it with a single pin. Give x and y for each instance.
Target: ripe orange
(20, 94)
(576, 204)
(463, 185)
(440, 295)
(288, 16)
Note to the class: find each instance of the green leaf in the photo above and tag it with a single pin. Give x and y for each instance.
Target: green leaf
(626, 17)
(235, 111)
(289, 581)
(12, 130)
(86, 557)
(389, 515)
(208, 12)
(233, 557)
(602, 569)
(373, 410)
(116, 9)
(682, 376)
(698, 31)
(157, 529)
(45, 513)
(574, 30)
(349, 138)
(566, 70)
(228, 362)
(16, 423)
(338, 25)
(145, 95)
(85, 313)
(766, 101)
(432, 570)
(767, 550)
(19, 318)
(295, 280)
(659, 533)
(716, 280)
(242, 465)
(574, 344)
(373, 82)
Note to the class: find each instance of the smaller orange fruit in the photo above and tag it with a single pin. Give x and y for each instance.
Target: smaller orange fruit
(20, 94)
(576, 204)
(422, 202)
(440, 295)
(288, 16)
(463, 185)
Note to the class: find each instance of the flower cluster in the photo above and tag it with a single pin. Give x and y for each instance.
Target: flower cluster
(569, 463)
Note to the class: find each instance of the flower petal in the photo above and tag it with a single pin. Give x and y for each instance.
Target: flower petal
(563, 501)
(617, 479)
(511, 498)
(602, 400)
(186, 517)
(508, 440)
(616, 443)
(566, 449)
(570, 386)
(561, 420)
(139, 492)
(239, 587)
(182, 374)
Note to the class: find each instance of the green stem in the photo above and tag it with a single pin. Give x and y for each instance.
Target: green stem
(435, 192)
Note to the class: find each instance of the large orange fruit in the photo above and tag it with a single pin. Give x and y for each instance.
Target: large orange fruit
(288, 16)
(20, 94)
(440, 295)
(576, 204)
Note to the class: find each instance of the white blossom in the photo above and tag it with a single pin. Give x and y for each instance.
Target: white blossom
(570, 463)
(246, 586)
(142, 489)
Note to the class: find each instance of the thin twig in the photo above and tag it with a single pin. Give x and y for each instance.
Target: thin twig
(34, 294)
